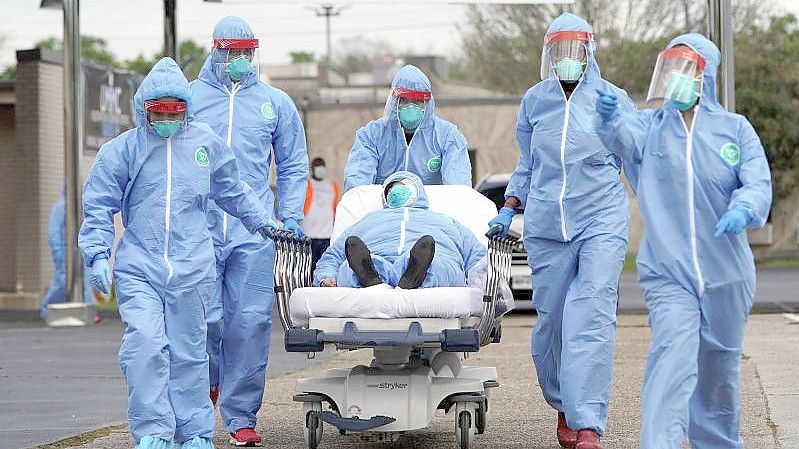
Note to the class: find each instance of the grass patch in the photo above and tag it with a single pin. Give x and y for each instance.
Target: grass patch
(108, 306)
(629, 264)
(778, 263)
(84, 438)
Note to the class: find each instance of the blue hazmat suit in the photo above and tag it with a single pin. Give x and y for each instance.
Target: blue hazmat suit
(164, 271)
(437, 152)
(256, 120)
(698, 288)
(56, 237)
(390, 234)
(575, 232)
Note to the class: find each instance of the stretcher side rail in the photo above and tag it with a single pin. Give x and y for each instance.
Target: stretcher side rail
(499, 254)
(292, 269)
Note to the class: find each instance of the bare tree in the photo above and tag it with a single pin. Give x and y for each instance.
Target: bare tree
(502, 43)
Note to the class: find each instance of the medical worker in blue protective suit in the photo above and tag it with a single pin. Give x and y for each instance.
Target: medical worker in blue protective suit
(56, 237)
(256, 120)
(160, 175)
(409, 137)
(404, 244)
(702, 179)
(575, 230)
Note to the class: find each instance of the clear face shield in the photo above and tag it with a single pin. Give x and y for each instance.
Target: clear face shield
(677, 78)
(565, 55)
(401, 192)
(409, 107)
(236, 59)
(166, 115)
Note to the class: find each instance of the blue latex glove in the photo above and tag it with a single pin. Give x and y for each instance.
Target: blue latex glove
(503, 219)
(607, 105)
(734, 221)
(267, 231)
(100, 276)
(293, 226)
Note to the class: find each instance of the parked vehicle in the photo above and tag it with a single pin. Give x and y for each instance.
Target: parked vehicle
(493, 187)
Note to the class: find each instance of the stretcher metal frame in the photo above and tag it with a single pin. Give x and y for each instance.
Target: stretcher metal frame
(293, 259)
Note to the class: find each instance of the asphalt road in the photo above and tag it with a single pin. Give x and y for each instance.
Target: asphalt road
(777, 291)
(60, 382)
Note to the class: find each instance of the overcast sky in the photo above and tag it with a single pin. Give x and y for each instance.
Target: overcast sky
(135, 26)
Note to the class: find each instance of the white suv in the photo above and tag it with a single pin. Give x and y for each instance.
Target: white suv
(493, 187)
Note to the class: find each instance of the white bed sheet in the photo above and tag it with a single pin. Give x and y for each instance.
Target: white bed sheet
(385, 302)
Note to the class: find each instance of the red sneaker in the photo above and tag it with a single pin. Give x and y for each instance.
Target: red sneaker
(246, 437)
(588, 439)
(566, 437)
(214, 395)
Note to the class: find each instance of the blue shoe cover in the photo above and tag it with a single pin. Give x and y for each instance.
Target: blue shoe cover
(195, 443)
(149, 442)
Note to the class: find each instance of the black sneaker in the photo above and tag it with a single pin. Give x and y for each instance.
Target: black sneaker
(360, 260)
(421, 256)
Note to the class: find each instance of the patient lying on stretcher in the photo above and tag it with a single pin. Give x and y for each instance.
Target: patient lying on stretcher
(403, 245)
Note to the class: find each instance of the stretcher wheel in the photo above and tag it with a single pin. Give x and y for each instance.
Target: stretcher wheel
(465, 424)
(313, 425)
(481, 417)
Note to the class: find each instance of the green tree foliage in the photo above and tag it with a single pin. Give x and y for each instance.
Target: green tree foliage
(767, 93)
(298, 57)
(191, 58)
(9, 73)
(91, 47)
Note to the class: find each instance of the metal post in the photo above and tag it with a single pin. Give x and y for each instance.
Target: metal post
(328, 11)
(72, 146)
(170, 29)
(720, 29)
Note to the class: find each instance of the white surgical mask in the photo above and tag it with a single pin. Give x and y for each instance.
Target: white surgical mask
(320, 172)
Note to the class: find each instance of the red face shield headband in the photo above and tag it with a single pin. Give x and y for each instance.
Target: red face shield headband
(558, 36)
(685, 54)
(169, 107)
(410, 94)
(236, 44)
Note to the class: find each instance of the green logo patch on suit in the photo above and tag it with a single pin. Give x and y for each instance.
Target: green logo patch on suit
(434, 164)
(268, 111)
(730, 153)
(201, 157)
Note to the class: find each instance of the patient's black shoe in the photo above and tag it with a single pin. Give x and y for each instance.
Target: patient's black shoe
(360, 260)
(421, 256)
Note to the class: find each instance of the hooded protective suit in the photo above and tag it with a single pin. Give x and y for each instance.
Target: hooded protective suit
(164, 266)
(256, 120)
(436, 153)
(56, 237)
(575, 233)
(391, 232)
(698, 287)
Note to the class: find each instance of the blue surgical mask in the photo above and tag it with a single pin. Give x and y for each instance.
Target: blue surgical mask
(398, 196)
(167, 128)
(682, 90)
(239, 68)
(410, 116)
(569, 69)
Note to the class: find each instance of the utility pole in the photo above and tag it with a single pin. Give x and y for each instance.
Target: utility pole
(328, 11)
(170, 30)
(721, 32)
